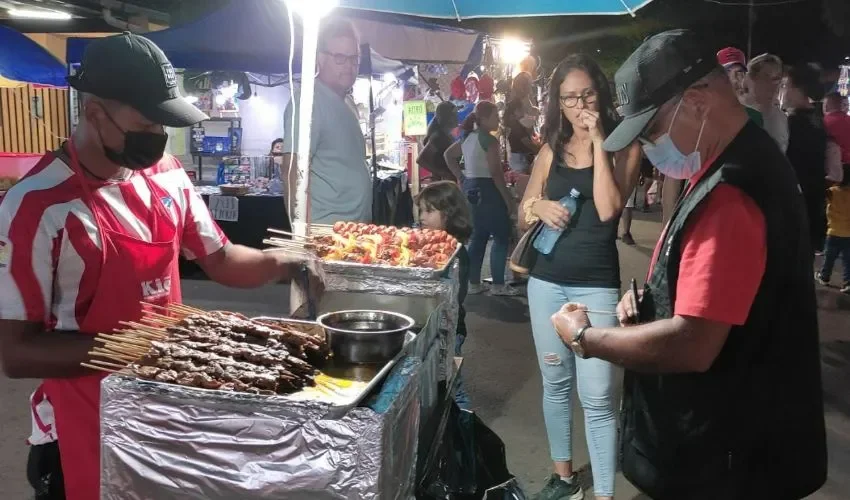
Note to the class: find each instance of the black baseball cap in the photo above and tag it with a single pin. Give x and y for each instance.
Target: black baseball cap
(131, 69)
(662, 67)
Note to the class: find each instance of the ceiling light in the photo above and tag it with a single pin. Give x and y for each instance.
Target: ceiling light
(39, 14)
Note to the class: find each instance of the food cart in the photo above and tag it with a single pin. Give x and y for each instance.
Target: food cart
(167, 437)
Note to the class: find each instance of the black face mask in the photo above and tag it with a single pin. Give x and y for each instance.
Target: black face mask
(141, 149)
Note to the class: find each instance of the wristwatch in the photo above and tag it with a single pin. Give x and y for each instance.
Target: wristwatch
(575, 344)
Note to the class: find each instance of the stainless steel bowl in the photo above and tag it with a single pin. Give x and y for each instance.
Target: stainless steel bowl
(365, 336)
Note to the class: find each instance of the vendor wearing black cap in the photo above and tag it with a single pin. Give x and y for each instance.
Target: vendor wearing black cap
(722, 389)
(92, 232)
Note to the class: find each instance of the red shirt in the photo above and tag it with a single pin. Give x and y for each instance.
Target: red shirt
(837, 125)
(723, 257)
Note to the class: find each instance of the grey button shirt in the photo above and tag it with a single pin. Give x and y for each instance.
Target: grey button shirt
(340, 181)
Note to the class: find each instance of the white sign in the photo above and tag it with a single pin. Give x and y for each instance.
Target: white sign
(224, 208)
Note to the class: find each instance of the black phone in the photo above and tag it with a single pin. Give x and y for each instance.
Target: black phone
(636, 304)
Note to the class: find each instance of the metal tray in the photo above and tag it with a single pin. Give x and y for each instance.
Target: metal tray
(356, 381)
(362, 378)
(385, 271)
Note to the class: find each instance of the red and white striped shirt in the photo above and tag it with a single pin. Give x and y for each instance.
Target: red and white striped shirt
(49, 243)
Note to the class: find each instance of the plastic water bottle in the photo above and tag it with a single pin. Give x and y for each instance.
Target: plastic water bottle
(545, 241)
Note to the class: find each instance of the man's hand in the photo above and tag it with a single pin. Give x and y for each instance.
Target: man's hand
(292, 267)
(569, 320)
(627, 309)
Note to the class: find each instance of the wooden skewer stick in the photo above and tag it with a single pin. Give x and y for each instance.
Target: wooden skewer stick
(108, 355)
(135, 353)
(194, 310)
(124, 339)
(162, 317)
(108, 364)
(93, 367)
(144, 335)
(285, 233)
(156, 307)
(144, 328)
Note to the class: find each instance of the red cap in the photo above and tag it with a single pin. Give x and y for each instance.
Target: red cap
(731, 55)
(458, 89)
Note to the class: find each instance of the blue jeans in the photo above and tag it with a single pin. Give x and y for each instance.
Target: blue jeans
(598, 381)
(489, 218)
(836, 245)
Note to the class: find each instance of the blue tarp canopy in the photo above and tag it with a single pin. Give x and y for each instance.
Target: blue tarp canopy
(254, 36)
(468, 9)
(24, 60)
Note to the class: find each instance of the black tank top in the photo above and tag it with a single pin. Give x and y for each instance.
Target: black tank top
(586, 254)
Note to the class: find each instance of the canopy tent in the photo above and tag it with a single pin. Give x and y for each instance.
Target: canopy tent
(469, 9)
(25, 61)
(254, 37)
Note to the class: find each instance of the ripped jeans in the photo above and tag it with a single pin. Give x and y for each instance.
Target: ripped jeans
(598, 382)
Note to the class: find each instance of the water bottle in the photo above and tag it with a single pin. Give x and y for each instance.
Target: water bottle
(546, 239)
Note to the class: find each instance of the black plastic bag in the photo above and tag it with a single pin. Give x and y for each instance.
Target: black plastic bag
(468, 460)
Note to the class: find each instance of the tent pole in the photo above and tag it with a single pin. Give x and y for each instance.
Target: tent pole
(300, 215)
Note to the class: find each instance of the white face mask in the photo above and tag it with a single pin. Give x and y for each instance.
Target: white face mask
(667, 158)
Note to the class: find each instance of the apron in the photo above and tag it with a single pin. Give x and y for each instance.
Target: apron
(131, 271)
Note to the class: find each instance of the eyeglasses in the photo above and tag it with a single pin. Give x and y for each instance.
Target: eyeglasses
(340, 59)
(571, 101)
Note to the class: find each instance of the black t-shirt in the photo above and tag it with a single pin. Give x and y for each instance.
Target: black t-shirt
(586, 254)
(807, 151)
(439, 142)
(517, 132)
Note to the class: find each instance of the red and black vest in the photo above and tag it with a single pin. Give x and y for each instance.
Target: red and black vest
(752, 426)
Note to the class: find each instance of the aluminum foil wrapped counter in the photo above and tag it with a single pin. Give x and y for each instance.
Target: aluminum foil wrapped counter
(176, 442)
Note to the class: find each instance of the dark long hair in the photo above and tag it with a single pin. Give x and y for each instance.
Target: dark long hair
(446, 198)
(473, 120)
(558, 129)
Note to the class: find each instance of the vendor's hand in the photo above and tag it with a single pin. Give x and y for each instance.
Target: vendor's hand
(627, 311)
(290, 267)
(569, 320)
(591, 120)
(552, 213)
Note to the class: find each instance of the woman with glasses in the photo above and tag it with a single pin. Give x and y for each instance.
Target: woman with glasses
(583, 266)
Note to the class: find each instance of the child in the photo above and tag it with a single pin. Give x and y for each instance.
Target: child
(442, 205)
(838, 232)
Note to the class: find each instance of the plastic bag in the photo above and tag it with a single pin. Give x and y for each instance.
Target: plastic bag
(506, 491)
(469, 460)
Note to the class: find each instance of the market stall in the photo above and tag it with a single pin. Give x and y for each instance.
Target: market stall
(216, 406)
(242, 127)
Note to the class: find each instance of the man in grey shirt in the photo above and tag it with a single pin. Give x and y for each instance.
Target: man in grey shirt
(340, 182)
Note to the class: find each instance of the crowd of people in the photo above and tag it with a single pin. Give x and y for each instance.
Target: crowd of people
(726, 306)
(755, 182)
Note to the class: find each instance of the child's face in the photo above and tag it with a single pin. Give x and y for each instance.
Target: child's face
(430, 218)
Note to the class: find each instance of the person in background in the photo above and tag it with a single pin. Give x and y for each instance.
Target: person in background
(807, 144)
(519, 118)
(92, 233)
(838, 232)
(710, 410)
(442, 205)
(734, 62)
(485, 189)
(837, 123)
(438, 140)
(764, 76)
(583, 266)
(275, 158)
(340, 184)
